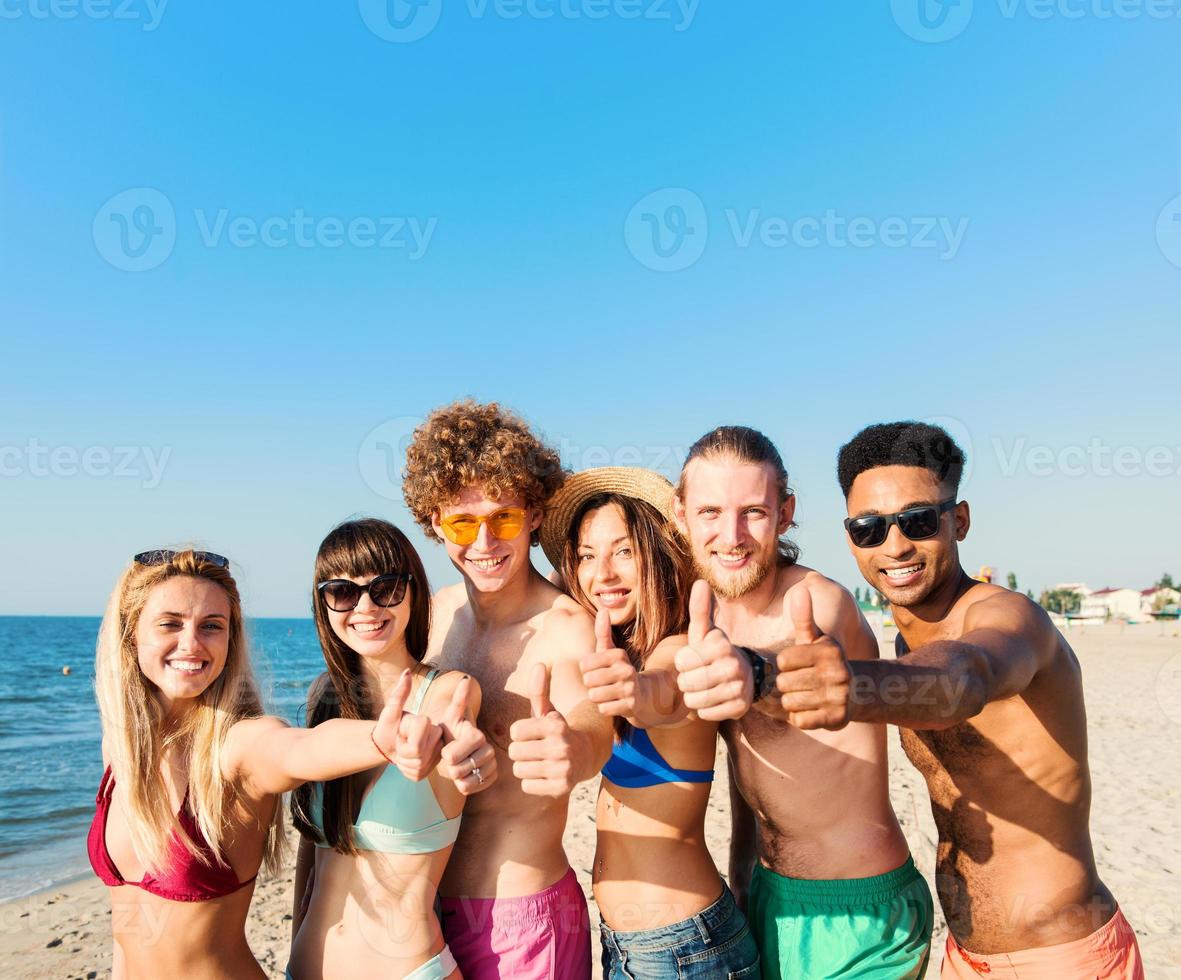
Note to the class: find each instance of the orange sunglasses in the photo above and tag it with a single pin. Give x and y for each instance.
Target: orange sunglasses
(504, 524)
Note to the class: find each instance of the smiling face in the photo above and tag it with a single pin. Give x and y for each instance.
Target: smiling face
(369, 630)
(608, 572)
(182, 637)
(489, 563)
(907, 572)
(732, 517)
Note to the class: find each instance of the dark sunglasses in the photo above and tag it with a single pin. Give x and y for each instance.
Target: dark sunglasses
(162, 556)
(916, 523)
(385, 590)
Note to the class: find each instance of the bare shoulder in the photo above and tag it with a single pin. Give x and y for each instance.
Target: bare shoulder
(989, 607)
(665, 654)
(243, 734)
(443, 687)
(832, 604)
(566, 628)
(446, 601)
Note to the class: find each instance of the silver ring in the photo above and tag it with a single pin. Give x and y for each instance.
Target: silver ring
(476, 772)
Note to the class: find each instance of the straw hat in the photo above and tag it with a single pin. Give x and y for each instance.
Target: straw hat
(627, 481)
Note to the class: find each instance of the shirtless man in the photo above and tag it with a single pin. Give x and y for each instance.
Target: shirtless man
(989, 699)
(834, 892)
(477, 479)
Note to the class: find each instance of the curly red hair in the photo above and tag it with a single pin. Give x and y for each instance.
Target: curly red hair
(467, 444)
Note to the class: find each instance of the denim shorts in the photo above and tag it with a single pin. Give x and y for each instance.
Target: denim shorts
(715, 943)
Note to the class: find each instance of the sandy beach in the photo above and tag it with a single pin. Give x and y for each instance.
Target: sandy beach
(1132, 677)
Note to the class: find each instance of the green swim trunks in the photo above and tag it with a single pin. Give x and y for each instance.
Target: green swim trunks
(875, 928)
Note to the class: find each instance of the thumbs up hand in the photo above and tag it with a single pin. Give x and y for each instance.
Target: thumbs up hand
(542, 745)
(385, 732)
(467, 759)
(814, 676)
(609, 677)
(715, 678)
(416, 751)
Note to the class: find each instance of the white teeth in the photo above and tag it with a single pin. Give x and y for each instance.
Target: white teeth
(367, 627)
(189, 666)
(485, 563)
(902, 572)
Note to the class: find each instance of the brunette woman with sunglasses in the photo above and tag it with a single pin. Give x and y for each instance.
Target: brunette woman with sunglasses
(375, 844)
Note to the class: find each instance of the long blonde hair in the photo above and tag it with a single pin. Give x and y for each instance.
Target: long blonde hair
(134, 725)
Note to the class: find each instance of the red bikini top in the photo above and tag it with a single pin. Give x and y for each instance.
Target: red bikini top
(186, 880)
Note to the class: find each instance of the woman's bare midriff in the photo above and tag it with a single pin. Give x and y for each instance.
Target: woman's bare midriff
(371, 915)
(155, 937)
(652, 867)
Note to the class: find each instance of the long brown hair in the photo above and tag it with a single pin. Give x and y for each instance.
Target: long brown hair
(665, 574)
(354, 549)
(133, 721)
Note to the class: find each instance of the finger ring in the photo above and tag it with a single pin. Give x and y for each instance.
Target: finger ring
(476, 772)
(471, 759)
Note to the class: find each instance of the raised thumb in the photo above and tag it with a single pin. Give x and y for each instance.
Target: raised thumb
(701, 612)
(539, 702)
(806, 630)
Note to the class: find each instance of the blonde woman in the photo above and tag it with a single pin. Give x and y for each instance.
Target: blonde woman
(188, 809)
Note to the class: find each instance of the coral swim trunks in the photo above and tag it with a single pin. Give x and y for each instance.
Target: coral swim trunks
(535, 937)
(1109, 953)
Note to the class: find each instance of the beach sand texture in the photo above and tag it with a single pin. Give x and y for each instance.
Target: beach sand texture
(1132, 677)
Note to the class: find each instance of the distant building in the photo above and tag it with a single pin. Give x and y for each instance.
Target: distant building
(1109, 602)
(1154, 599)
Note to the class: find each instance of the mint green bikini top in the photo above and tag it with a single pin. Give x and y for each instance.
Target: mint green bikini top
(398, 815)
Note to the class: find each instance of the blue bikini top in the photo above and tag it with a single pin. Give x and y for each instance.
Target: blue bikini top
(635, 763)
(398, 815)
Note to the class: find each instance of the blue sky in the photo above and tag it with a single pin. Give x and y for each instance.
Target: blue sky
(242, 249)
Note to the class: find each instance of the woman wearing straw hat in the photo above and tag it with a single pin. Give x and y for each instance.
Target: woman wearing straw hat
(666, 911)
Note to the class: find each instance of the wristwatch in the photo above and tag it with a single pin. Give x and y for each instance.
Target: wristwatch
(763, 670)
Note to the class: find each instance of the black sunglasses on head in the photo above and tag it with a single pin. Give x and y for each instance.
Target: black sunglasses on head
(385, 590)
(916, 523)
(162, 556)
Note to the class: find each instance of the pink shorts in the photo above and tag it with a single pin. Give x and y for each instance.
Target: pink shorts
(535, 937)
(1109, 953)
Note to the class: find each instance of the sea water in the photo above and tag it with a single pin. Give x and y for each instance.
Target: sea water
(51, 738)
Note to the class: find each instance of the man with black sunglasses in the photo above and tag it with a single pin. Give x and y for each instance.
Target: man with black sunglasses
(989, 699)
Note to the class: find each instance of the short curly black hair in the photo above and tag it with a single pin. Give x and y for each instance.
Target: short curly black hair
(901, 444)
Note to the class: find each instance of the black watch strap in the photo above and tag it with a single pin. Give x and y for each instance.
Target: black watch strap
(758, 666)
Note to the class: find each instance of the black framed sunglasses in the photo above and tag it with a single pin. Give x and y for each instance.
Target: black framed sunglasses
(385, 590)
(916, 523)
(162, 556)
